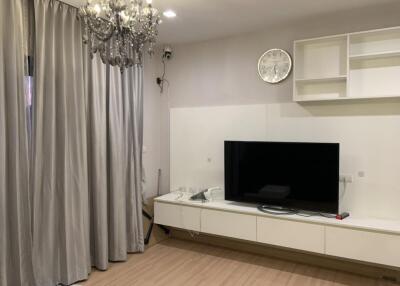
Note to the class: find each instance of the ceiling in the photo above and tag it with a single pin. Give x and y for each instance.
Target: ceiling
(199, 20)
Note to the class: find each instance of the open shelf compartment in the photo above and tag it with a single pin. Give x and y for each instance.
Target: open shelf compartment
(321, 68)
(320, 90)
(321, 58)
(375, 77)
(375, 43)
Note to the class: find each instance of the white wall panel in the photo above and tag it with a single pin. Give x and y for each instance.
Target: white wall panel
(369, 139)
(197, 141)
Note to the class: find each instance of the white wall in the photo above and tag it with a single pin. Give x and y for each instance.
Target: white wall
(197, 141)
(223, 72)
(369, 146)
(152, 103)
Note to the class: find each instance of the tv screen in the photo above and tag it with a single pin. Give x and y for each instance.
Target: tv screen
(300, 176)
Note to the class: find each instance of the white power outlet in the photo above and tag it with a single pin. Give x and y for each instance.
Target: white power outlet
(346, 178)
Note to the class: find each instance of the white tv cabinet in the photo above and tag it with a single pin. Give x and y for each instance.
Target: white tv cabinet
(362, 65)
(366, 240)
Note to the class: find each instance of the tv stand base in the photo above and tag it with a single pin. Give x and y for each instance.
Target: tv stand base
(368, 240)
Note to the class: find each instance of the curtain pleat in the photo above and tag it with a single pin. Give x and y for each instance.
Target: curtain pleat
(97, 160)
(125, 159)
(15, 236)
(117, 169)
(134, 133)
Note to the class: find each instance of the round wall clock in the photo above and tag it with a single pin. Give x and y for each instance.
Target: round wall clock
(274, 65)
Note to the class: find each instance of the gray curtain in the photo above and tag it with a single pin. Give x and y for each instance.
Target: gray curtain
(15, 238)
(115, 134)
(60, 176)
(86, 154)
(125, 159)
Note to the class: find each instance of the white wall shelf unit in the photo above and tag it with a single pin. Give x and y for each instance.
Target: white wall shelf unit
(363, 65)
(369, 240)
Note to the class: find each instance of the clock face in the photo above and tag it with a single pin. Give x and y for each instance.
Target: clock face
(274, 65)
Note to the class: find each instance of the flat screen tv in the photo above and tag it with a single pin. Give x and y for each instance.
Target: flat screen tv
(299, 176)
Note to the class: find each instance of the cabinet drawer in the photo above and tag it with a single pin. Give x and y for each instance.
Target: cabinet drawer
(363, 245)
(224, 223)
(177, 216)
(292, 234)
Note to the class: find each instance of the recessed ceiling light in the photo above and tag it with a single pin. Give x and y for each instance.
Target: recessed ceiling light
(169, 14)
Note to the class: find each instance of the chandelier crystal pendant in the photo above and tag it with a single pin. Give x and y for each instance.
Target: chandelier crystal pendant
(119, 30)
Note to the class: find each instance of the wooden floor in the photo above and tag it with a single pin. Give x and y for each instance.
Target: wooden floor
(177, 262)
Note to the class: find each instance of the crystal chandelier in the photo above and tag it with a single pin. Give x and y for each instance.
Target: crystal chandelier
(119, 30)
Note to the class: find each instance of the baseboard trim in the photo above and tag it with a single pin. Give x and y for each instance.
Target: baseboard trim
(365, 269)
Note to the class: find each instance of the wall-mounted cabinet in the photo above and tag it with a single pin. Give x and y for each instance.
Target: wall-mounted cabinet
(352, 66)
